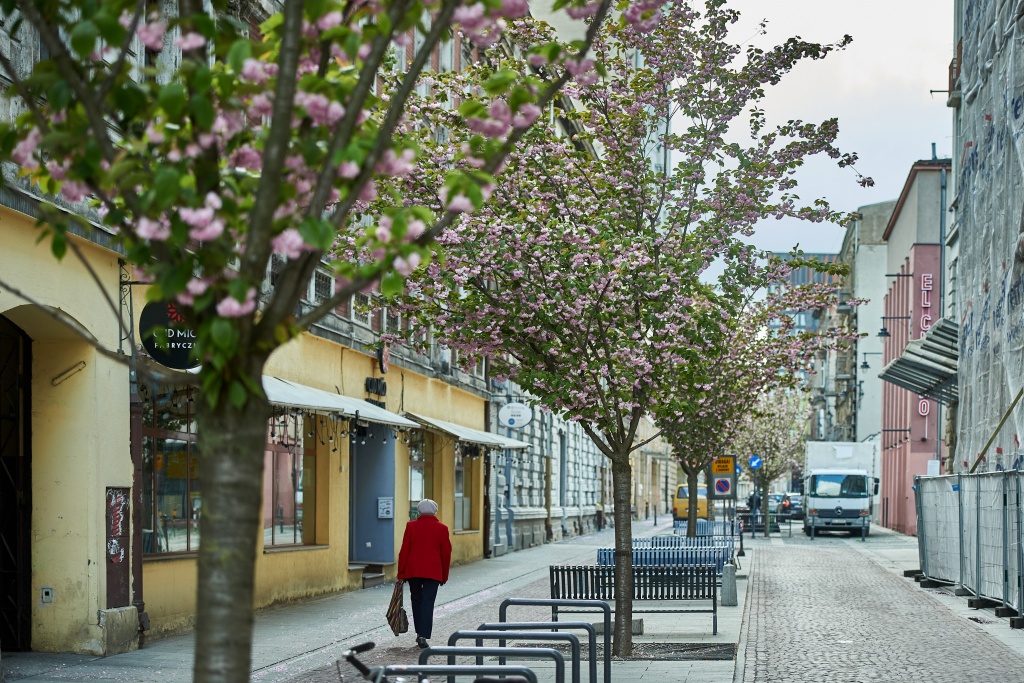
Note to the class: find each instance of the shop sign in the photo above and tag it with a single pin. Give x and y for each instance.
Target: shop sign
(926, 302)
(166, 336)
(515, 415)
(723, 464)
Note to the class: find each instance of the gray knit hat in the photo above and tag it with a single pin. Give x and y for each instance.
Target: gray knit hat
(427, 507)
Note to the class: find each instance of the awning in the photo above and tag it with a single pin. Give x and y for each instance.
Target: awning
(281, 392)
(469, 435)
(928, 366)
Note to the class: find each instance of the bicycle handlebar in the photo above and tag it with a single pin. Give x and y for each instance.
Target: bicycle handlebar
(350, 656)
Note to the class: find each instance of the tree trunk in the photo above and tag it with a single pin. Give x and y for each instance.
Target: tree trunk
(621, 476)
(691, 511)
(765, 484)
(232, 442)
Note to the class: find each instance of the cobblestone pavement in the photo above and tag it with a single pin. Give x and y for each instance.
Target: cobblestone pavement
(827, 611)
(464, 613)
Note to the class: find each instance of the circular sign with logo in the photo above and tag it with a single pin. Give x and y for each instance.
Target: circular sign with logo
(515, 415)
(166, 336)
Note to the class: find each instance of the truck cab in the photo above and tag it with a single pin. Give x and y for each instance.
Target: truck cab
(838, 500)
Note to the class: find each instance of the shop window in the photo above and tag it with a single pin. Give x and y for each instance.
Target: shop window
(289, 483)
(464, 469)
(171, 494)
(421, 471)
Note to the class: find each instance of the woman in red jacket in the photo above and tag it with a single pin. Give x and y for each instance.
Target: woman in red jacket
(424, 561)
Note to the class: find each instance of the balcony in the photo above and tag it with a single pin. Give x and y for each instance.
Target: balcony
(953, 98)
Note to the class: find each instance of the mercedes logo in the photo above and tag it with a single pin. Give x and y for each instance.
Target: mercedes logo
(839, 511)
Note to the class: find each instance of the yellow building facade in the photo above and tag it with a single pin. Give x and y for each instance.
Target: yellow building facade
(104, 544)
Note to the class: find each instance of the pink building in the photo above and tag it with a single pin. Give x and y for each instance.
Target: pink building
(911, 429)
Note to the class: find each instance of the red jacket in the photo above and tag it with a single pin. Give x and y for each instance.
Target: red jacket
(426, 550)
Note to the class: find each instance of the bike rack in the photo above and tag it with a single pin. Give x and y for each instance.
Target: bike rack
(555, 604)
(480, 636)
(479, 652)
(551, 626)
(459, 670)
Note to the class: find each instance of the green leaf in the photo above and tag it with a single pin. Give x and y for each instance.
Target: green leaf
(201, 80)
(223, 334)
(472, 109)
(165, 185)
(240, 51)
(237, 394)
(499, 81)
(83, 38)
(172, 99)
(60, 94)
(59, 245)
(391, 285)
(317, 232)
(202, 110)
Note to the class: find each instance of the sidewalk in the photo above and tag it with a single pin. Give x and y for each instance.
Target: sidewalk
(301, 642)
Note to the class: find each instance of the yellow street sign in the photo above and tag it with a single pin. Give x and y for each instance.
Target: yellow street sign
(723, 465)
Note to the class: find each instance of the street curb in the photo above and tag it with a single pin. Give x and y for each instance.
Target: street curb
(739, 669)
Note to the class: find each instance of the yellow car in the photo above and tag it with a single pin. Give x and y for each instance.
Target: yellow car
(681, 503)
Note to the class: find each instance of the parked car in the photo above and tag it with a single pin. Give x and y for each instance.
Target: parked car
(681, 503)
(796, 508)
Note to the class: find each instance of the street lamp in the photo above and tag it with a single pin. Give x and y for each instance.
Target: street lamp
(884, 332)
(864, 365)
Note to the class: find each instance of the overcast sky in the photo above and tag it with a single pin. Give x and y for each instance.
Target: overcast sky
(878, 88)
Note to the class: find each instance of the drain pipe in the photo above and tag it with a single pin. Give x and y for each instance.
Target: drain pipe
(942, 294)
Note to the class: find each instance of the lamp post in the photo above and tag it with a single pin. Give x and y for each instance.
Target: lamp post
(864, 365)
(884, 332)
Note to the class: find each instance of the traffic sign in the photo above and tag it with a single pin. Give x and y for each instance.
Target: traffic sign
(722, 487)
(723, 465)
(755, 462)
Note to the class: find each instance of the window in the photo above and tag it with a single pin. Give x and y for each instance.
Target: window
(289, 484)
(361, 309)
(392, 320)
(421, 471)
(171, 495)
(464, 469)
(322, 287)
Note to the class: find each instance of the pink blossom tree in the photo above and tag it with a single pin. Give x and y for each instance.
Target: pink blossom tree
(754, 349)
(207, 148)
(775, 427)
(581, 278)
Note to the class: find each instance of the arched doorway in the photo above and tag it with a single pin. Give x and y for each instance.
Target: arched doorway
(15, 489)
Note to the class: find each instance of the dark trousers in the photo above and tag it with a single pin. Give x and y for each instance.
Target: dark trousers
(423, 592)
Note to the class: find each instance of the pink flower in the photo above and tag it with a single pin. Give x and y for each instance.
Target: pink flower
(197, 286)
(415, 229)
(23, 153)
(229, 307)
(537, 60)
(329, 21)
(261, 105)
(210, 231)
(289, 244)
(152, 35)
(74, 191)
(405, 266)
(383, 232)
(149, 229)
(460, 202)
(348, 169)
(587, 10)
(197, 218)
(528, 113)
(213, 201)
(190, 41)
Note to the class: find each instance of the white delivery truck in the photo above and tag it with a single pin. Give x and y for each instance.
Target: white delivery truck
(840, 483)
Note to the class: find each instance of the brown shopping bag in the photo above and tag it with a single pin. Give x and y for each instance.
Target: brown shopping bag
(398, 620)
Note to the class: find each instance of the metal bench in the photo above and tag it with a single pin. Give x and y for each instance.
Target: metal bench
(718, 556)
(661, 583)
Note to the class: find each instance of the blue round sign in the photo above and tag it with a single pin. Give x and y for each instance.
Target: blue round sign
(755, 462)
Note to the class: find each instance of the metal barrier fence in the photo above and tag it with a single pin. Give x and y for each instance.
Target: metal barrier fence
(970, 534)
(718, 527)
